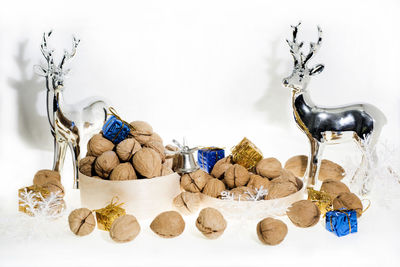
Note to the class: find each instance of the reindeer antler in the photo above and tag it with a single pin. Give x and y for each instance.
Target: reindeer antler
(295, 47)
(314, 47)
(67, 55)
(57, 72)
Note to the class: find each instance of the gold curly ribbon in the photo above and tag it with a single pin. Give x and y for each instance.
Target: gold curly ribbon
(115, 114)
(106, 216)
(246, 154)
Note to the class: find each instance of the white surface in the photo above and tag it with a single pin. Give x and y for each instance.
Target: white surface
(209, 70)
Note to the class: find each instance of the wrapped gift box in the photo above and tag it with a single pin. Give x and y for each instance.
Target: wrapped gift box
(341, 222)
(207, 157)
(115, 130)
(246, 154)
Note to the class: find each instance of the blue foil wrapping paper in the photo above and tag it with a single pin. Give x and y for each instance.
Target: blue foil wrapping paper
(337, 221)
(115, 130)
(207, 157)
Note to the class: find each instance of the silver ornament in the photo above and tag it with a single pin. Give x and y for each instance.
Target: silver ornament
(186, 162)
(69, 124)
(361, 123)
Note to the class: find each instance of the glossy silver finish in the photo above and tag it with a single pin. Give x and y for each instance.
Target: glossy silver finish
(69, 124)
(186, 161)
(327, 125)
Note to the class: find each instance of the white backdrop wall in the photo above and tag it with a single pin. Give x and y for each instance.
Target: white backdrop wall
(207, 70)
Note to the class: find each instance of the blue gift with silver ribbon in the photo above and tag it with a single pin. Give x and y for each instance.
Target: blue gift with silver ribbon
(115, 130)
(341, 222)
(207, 157)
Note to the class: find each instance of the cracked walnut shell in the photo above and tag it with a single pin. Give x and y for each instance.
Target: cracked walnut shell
(195, 181)
(236, 176)
(211, 223)
(187, 202)
(81, 221)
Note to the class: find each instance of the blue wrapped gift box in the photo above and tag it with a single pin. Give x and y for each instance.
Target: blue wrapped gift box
(115, 130)
(207, 157)
(341, 222)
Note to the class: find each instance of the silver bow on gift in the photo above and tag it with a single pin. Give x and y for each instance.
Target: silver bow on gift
(186, 162)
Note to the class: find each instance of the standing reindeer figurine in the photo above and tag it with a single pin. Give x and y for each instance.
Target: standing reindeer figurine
(68, 123)
(359, 122)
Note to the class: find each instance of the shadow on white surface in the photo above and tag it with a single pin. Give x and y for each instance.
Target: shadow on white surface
(275, 103)
(32, 127)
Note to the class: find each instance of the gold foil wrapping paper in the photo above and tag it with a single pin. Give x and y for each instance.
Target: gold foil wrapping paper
(106, 216)
(321, 199)
(246, 154)
(35, 192)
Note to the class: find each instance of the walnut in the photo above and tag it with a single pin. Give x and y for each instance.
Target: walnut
(195, 181)
(142, 131)
(297, 165)
(287, 176)
(168, 224)
(165, 170)
(127, 148)
(348, 201)
(105, 163)
(211, 223)
(44, 176)
(236, 176)
(124, 228)
(97, 145)
(158, 147)
(54, 186)
(187, 202)
(240, 193)
(147, 162)
(214, 187)
(269, 167)
(271, 231)
(256, 181)
(171, 160)
(86, 166)
(330, 171)
(156, 138)
(278, 190)
(220, 168)
(81, 221)
(123, 171)
(304, 213)
(334, 188)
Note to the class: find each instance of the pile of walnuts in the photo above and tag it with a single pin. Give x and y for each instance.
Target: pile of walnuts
(268, 173)
(141, 155)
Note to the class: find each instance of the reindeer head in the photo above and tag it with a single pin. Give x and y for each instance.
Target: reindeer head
(54, 73)
(300, 76)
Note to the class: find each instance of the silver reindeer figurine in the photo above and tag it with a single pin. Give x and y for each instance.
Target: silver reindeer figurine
(68, 123)
(327, 125)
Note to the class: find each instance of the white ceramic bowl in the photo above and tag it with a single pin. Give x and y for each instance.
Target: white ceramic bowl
(143, 198)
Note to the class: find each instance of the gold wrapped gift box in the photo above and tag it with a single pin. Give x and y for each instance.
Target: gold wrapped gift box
(106, 216)
(246, 154)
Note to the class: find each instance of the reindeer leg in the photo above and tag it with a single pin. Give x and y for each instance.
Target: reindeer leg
(314, 162)
(60, 148)
(75, 152)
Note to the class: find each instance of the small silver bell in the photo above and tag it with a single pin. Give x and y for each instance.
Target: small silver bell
(186, 161)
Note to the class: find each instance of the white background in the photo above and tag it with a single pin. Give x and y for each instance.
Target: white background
(210, 71)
